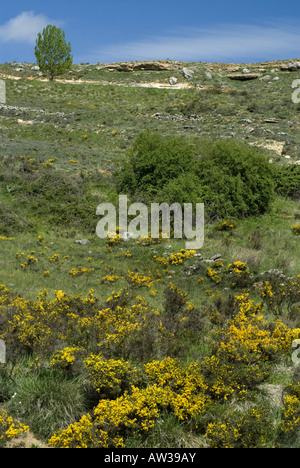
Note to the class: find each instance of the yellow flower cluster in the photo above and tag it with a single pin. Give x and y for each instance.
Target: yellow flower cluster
(140, 279)
(226, 225)
(148, 240)
(3, 238)
(185, 387)
(296, 229)
(213, 275)
(179, 257)
(243, 349)
(176, 258)
(279, 293)
(238, 268)
(110, 374)
(240, 273)
(291, 414)
(247, 431)
(222, 435)
(291, 410)
(248, 338)
(111, 278)
(80, 271)
(8, 428)
(31, 260)
(54, 258)
(169, 386)
(65, 358)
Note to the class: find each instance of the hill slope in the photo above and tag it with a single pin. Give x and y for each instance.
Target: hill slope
(221, 320)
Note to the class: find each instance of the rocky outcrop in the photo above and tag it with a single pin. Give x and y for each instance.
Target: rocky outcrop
(243, 76)
(143, 65)
(291, 66)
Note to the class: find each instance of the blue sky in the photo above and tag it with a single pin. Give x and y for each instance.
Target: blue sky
(188, 30)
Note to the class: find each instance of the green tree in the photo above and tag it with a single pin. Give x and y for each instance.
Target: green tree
(53, 53)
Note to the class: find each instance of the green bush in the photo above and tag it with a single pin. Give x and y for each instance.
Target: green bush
(153, 162)
(230, 177)
(287, 181)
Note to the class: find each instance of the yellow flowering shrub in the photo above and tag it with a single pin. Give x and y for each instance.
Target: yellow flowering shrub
(111, 278)
(113, 420)
(213, 275)
(80, 435)
(111, 376)
(249, 429)
(65, 358)
(175, 300)
(185, 386)
(280, 293)
(290, 422)
(178, 258)
(4, 238)
(247, 337)
(239, 274)
(170, 387)
(243, 349)
(80, 271)
(9, 429)
(148, 240)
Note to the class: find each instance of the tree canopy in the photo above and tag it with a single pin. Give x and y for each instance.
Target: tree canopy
(53, 53)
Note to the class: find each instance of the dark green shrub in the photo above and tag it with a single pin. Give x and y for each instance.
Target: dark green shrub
(231, 178)
(236, 179)
(153, 162)
(287, 181)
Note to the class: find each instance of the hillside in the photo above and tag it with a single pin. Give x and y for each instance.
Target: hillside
(197, 344)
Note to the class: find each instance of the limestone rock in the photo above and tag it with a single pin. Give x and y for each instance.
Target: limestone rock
(82, 241)
(244, 77)
(187, 73)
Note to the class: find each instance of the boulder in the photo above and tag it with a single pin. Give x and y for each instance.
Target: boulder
(216, 257)
(187, 73)
(82, 241)
(208, 76)
(265, 78)
(173, 81)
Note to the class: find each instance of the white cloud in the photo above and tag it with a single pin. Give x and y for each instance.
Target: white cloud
(223, 42)
(24, 27)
